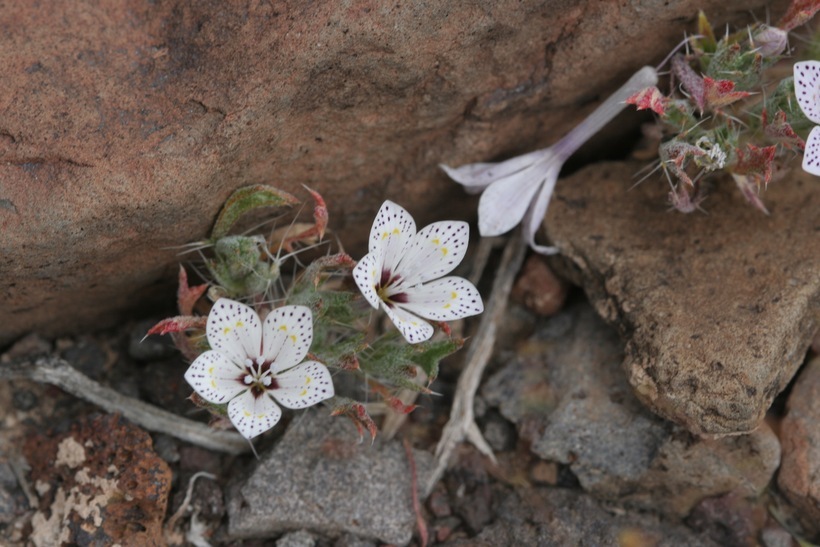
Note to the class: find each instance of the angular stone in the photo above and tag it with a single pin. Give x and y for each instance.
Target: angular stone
(799, 476)
(537, 288)
(571, 400)
(125, 126)
(555, 517)
(319, 478)
(99, 484)
(718, 309)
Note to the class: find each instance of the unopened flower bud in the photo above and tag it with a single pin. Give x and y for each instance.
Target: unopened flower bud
(770, 41)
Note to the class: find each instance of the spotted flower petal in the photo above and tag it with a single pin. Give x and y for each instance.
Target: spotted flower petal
(304, 385)
(399, 274)
(251, 363)
(391, 234)
(215, 377)
(435, 251)
(811, 155)
(412, 327)
(807, 88)
(234, 330)
(288, 335)
(444, 299)
(366, 274)
(253, 415)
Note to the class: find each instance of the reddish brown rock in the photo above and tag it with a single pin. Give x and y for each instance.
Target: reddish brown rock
(537, 288)
(99, 484)
(718, 309)
(125, 126)
(799, 476)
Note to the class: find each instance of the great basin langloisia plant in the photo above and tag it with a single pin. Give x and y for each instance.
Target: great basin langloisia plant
(277, 330)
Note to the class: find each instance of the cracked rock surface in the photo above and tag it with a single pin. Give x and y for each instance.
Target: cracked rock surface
(125, 126)
(567, 395)
(799, 476)
(320, 478)
(717, 309)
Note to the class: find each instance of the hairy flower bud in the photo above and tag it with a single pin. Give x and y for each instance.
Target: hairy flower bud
(770, 41)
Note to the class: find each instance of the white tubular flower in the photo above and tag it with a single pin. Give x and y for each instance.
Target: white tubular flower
(251, 363)
(401, 272)
(807, 89)
(521, 187)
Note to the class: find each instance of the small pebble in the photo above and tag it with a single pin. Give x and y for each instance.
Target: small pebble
(301, 538)
(545, 473)
(538, 289)
(24, 399)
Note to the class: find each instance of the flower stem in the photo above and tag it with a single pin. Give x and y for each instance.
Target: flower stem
(611, 107)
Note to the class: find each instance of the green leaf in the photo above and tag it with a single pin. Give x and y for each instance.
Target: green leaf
(246, 199)
(706, 43)
(393, 360)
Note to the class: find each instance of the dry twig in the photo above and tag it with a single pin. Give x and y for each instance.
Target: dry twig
(461, 425)
(55, 371)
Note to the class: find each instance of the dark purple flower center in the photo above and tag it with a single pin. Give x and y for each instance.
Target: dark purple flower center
(384, 286)
(257, 378)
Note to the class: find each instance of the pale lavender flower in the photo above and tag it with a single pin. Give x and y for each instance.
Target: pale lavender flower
(521, 187)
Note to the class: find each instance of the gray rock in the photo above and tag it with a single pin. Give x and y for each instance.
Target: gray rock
(718, 309)
(556, 517)
(319, 478)
(571, 399)
(13, 502)
(349, 540)
(799, 476)
(300, 538)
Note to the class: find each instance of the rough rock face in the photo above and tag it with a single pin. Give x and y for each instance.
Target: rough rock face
(99, 484)
(125, 126)
(571, 401)
(718, 309)
(799, 476)
(554, 517)
(319, 477)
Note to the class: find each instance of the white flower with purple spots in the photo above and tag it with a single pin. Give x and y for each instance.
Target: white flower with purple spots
(401, 272)
(254, 364)
(807, 90)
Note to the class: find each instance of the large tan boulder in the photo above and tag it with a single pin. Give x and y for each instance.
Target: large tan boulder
(125, 125)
